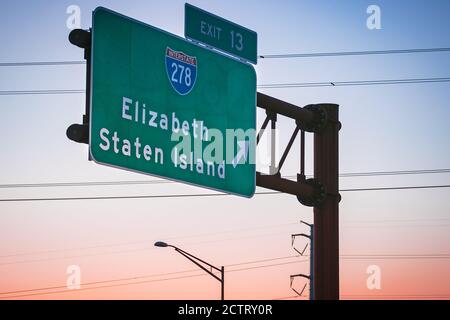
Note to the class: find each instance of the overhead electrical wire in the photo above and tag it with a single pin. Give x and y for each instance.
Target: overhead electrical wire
(41, 63)
(162, 181)
(134, 283)
(263, 56)
(193, 195)
(350, 257)
(136, 250)
(9, 293)
(396, 220)
(395, 256)
(151, 275)
(351, 53)
(148, 241)
(261, 86)
(352, 83)
(40, 92)
(346, 225)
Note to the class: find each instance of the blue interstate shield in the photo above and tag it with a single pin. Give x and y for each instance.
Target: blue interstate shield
(181, 70)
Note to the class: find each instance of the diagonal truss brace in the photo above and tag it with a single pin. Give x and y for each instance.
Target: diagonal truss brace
(311, 118)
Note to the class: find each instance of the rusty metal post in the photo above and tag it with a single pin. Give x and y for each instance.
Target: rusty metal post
(326, 214)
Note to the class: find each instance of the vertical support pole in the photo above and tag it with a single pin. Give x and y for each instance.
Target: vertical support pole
(311, 264)
(222, 295)
(302, 154)
(87, 113)
(326, 215)
(273, 125)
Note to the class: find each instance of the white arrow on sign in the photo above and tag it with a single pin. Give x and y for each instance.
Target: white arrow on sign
(243, 152)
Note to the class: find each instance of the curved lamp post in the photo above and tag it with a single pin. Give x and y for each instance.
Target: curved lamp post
(197, 261)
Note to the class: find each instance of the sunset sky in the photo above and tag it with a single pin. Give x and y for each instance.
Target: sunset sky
(385, 128)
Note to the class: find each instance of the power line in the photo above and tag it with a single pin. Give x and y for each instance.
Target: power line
(264, 56)
(267, 266)
(70, 249)
(348, 257)
(262, 260)
(351, 83)
(193, 195)
(75, 256)
(40, 92)
(139, 282)
(98, 282)
(396, 188)
(427, 256)
(161, 181)
(147, 241)
(136, 250)
(262, 86)
(207, 234)
(351, 53)
(128, 197)
(41, 63)
(434, 256)
(150, 281)
(396, 220)
(82, 184)
(395, 257)
(100, 287)
(398, 226)
(393, 173)
(146, 276)
(215, 233)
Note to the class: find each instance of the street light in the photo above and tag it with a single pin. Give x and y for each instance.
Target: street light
(196, 260)
(161, 244)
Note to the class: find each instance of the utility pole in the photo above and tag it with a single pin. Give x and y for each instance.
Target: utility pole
(320, 192)
(326, 214)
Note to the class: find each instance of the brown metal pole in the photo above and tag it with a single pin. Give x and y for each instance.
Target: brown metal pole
(222, 283)
(326, 215)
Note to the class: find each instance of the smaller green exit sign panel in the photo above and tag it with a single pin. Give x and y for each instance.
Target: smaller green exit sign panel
(219, 33)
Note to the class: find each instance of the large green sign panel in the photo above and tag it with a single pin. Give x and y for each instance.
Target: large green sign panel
(164, 106)
(219, 33)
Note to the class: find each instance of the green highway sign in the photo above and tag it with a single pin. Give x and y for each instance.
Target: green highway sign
(165, 106)
(219, 33)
